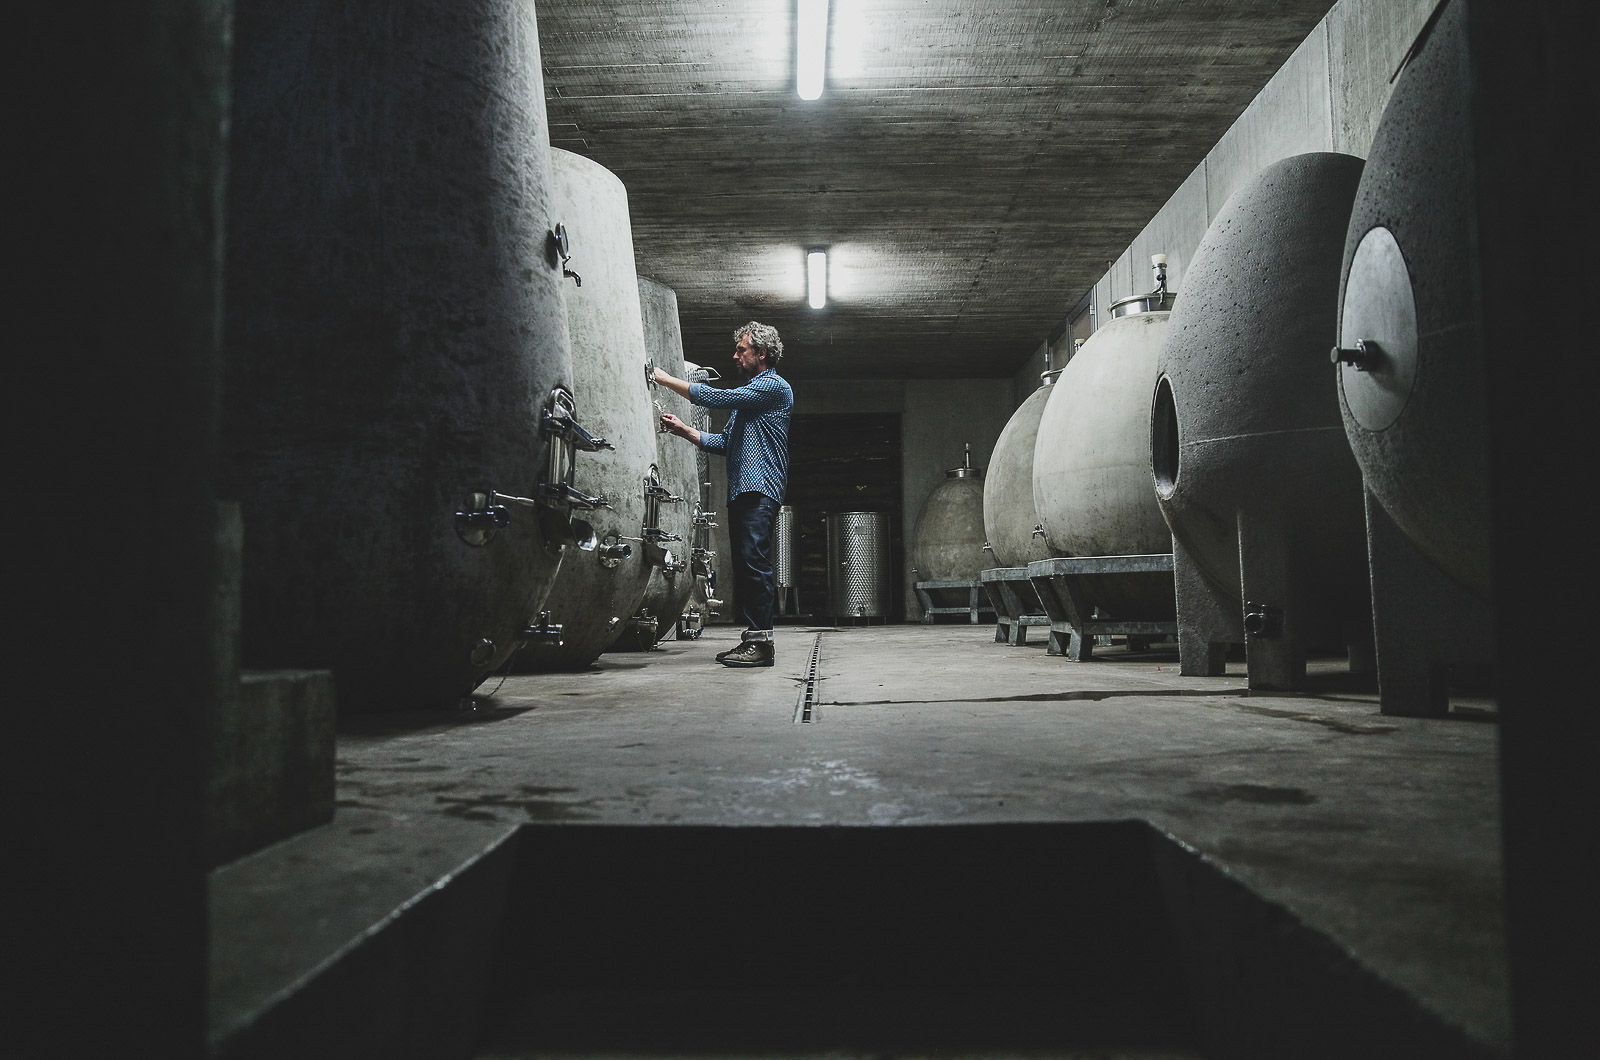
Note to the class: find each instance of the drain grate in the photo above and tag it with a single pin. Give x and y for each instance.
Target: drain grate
(806, 710)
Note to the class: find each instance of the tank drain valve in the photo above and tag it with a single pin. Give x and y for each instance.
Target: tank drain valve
(1364, 357)
(1263, 620)
(705, 520)
(1038, 529)
(543, 631)
(656, 535)
(478, 520)
(613, 550)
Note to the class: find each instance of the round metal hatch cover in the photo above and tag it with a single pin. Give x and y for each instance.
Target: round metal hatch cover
(1380, 311)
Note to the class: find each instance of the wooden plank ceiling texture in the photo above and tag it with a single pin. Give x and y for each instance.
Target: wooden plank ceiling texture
(971, 166)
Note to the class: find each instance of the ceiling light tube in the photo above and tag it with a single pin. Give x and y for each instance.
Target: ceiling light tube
(817, 278)
(810, 47)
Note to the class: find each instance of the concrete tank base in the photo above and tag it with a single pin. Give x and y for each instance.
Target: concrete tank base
(1428, 627)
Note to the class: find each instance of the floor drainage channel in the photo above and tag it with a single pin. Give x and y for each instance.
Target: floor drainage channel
(806, 709)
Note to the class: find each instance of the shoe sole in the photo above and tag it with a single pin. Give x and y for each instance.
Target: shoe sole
(747, 665)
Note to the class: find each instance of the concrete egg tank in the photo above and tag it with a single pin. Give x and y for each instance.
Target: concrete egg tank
(598, 593)
(1251, 467)
(1411, 378)
(1091, 457)
(671, 581)
(394, 326)
(948, 534)
(1010, 518)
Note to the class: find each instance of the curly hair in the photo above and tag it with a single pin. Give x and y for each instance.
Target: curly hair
(763, 337)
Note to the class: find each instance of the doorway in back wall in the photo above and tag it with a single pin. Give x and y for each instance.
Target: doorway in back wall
(842, 463)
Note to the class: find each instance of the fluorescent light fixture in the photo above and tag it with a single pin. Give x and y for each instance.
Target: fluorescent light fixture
(810, 47)
(817, 277)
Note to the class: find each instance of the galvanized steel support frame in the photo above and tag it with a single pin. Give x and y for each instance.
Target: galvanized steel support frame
(1067, 599)
(1016, 603)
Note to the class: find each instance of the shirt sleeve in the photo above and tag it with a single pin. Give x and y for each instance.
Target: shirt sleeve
(762, 393)
(717, 443)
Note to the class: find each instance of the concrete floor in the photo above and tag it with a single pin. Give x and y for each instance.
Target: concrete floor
(1380, 832)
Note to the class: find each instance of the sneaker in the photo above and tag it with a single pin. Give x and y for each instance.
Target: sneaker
(721, 655)
(751, 653)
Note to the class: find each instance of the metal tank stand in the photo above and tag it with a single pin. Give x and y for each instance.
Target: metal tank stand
(1093, 596)
(975, 602)
(1016, 604)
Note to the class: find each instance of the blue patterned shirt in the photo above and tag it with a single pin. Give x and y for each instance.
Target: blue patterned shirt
(756, 439)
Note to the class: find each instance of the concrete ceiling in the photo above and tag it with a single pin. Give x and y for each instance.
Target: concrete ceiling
(972, 166)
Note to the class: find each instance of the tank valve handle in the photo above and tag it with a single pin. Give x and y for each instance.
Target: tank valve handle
(988, 548)
(650, 372)
(565, 427)
(563, 493)
(1038, 529)
(656, 535)
(478, 520)
(661, 493)
(1364, 357)
(1263, 620)
(563, 249)
(705, 519)
(543, 631)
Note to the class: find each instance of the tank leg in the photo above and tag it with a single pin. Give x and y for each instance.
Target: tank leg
(1275, 643)
(1208, 621)
(1424, 622)
(1080, 648)
(1363, 652)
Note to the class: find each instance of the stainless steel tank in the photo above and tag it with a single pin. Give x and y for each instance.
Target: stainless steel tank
(947, 538)
(597, 594)
(1250, 463)
(669, 534)
(1010, 518)
(1411, 377)
(858, 565)
(783, 540)
(394, 325)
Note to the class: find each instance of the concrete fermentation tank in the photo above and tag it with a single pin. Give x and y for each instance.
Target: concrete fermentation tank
(1091, 457)
(1251, 466)
(597, 595)
(1411, 379)
(394, 324)
(703, 602)
(1010, 518)
(671, 581)
(948, 534)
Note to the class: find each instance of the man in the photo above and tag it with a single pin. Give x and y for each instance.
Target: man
(756, 445)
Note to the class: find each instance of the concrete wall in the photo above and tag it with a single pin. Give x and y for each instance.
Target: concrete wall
(938, 417)
(1328, 96)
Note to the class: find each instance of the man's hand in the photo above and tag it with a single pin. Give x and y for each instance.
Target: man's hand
(672, 425)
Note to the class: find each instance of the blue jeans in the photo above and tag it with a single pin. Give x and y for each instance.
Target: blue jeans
(750, 517)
